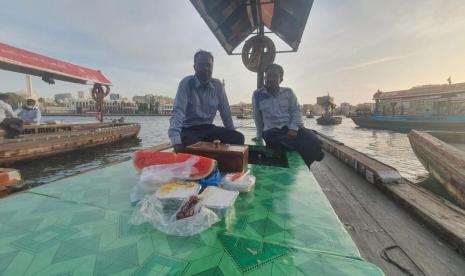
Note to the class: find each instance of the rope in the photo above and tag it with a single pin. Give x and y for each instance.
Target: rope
(384, 255)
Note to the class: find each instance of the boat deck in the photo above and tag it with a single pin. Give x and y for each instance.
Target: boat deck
(376, 222)
(79, 225)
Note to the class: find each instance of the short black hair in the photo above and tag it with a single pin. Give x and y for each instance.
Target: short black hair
(278, 67)
(202, 52)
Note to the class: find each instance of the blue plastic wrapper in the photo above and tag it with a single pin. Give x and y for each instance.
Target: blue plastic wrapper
(213, 180)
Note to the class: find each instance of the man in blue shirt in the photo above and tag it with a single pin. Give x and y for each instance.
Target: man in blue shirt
(198, 99)
(278, 118)
(30, 113)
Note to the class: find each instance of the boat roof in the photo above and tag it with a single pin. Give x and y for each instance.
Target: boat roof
(421, 91)
(232, 21)
(26, 62)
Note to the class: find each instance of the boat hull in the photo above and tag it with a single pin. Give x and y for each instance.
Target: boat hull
(444, 162)
(35, 146)
(404, 125)
(328, 120)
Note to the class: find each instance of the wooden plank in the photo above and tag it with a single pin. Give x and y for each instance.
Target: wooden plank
(375, 222)
(370, 169)
(442, 217)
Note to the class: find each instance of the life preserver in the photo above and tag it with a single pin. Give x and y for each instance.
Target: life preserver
(258, 52)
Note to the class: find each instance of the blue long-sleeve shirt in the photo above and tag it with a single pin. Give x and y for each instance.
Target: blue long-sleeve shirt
(276, 111)
(30, 116)
(196, 105)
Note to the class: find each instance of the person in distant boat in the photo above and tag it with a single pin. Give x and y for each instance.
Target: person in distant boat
(197, 100)
(30, 113)
(9, 122)
(278, 119)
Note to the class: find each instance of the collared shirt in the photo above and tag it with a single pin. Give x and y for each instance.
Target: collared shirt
(6, 111)
(197, 105)
(30, 116)
(276, 111)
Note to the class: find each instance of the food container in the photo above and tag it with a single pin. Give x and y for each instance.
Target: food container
(172, 195)
(218, 200)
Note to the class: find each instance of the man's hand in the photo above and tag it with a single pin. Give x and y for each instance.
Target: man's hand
(258, 141)
(291, 134)
(179, 148)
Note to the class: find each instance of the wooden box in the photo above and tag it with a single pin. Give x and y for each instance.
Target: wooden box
(231, 158)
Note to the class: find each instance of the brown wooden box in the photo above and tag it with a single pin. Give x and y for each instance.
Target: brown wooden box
(231, 158)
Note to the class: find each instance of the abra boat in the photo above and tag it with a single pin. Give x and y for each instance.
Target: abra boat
(45, 140)
(440, 154)
(327, 118)
(49, 139)
(428, 107)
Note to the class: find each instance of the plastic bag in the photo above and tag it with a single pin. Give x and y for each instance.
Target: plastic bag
(150, 209)
(152, 177)
(213, 180)
(243, 183)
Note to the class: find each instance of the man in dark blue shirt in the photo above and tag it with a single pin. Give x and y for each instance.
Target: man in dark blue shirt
(198, 99)
(278, 119)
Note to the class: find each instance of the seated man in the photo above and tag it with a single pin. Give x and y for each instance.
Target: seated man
(30, 113)
(198, 99)
(278, 119)
(8, 120)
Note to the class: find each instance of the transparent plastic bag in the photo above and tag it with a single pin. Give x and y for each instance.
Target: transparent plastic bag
(244, 183)
(150, 209)
(152, 177)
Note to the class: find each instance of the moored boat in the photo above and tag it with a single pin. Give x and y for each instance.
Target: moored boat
(428, 107)
(439, 154)
(329, 120)
(45, 140)
(39, 141)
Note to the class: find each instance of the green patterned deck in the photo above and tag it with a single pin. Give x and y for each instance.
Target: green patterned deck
(79, 226)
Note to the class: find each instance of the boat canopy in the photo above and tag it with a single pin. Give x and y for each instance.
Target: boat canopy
(232, 21)
(50, 69)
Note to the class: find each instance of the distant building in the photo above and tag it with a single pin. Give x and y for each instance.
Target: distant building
(63, 96)
(154, 104)
(81, 95)
(313, 109)
(345, 109)
(114, 97)
(425, 100)
(241, 109)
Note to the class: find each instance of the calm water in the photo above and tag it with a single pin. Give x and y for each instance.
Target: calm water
(389, 147)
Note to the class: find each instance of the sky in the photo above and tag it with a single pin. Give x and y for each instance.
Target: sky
(349, 49)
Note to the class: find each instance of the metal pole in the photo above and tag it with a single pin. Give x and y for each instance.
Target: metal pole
(261, 31)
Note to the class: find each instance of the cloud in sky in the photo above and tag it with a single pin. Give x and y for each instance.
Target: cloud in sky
(349, 48)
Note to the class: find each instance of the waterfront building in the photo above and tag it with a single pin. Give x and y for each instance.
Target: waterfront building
(63, 96)
(426, 100)
(114, 96)
(154, 104)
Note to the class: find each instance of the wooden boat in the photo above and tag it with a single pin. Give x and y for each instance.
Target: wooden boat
(444, 160)
(329, 120)
(407, 123)
(45, 140)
